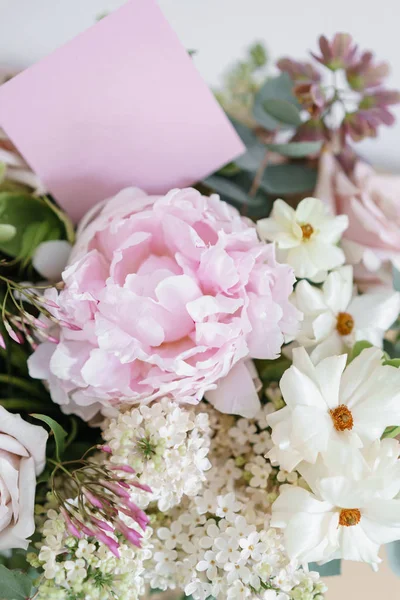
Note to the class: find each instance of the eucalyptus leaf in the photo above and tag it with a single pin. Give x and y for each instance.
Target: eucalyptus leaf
(329, 569)
(23, 211)
(283, 111)
(278, 89)
(14, 585)
(59, 433)
(357, 349)
(255, 150)
(288, 179)
(393, 553)
(296, 149)
(226, 187)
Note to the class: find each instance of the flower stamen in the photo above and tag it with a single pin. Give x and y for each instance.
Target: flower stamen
(344, 323)
(349, 517)
(307, 230)
(342, 418)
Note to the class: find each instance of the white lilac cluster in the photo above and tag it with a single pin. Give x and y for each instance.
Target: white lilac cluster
(166, 445)
(85, 569)
(220, 543)
(330, 431)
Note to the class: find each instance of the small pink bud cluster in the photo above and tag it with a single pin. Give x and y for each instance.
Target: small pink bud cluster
(365, 78)
(103, 496)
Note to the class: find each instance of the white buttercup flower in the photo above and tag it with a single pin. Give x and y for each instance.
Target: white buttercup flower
(348, 514)
(330, 407)
(306, 238)
(335, 318)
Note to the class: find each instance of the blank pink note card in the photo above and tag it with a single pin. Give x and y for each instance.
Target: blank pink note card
(122, 104)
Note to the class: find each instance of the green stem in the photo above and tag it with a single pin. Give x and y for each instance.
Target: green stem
(22, 384)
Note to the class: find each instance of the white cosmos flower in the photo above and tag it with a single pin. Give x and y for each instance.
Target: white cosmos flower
(330, 408)
(335, 318)
(306, 238)
(347, 515)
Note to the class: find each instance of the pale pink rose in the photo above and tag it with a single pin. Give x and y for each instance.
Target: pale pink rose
(372, 203)
(22, 458)
(163, 296)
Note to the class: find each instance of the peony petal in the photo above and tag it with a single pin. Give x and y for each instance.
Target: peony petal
(236, 393)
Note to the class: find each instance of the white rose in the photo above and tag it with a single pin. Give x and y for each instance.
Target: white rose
(22, 458)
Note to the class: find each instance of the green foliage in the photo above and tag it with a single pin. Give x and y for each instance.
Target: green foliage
(333, 567)
(59, 433)
(271, 371)
(283, 111)
(14, 585)
(391, 432)
(357, 349)
(393, 553)
(296, 149)
(274, 104)
(288, 179)
(33, 221)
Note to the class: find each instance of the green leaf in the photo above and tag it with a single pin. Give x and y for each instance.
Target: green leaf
(23, 211)
(283, 111)
(7, 232)
(288, 179)
(393, 553)
(392, 362)
(14, 585)
(255, 150)
(329, 569)
(59, 433)
(391, 432)
(63, 218)
(272, 370)
(277, 89)
(296, 149)
(357, 349)
(226, 187)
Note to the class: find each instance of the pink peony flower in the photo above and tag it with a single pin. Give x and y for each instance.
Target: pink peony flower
(371, 201)
(163, 296)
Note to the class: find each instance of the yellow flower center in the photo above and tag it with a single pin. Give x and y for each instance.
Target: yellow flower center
(307, 230)
(349, 517)
(342, 418)
(344, 323)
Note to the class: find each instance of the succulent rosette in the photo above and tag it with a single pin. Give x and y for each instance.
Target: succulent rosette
(163, 295)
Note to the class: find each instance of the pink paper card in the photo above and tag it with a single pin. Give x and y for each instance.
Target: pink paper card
(122, 104)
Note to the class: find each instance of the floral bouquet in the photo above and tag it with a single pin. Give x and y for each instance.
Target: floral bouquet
(201, 392)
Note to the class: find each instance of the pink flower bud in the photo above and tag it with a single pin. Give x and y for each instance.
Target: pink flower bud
(101, 524)
(92, 498)
(109, 542)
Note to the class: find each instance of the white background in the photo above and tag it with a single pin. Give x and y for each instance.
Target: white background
(220, 30)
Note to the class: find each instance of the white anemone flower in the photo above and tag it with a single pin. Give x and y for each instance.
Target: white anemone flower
(346, 515)
(306, 238)
(335, 317)
(330, 408)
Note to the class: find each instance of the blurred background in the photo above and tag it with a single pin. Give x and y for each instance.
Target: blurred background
(220, 31)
